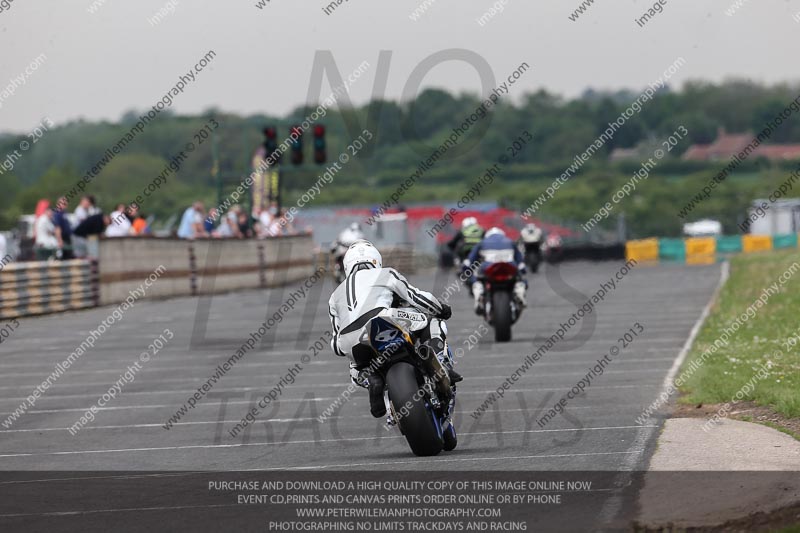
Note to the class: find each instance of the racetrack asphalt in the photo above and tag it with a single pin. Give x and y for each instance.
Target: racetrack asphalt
(596, 432)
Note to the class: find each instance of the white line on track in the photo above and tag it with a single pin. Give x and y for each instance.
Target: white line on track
(160, 370)
(613, 504)
(304, 441)
(290, 420)
(281, 399)
(460, 459)
(199, 381)
(268, 357)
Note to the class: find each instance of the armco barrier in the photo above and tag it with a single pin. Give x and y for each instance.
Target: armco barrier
(643, 251)
(35, 288)
(201, 266)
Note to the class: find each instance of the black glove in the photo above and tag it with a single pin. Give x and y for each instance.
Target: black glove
(445, 313)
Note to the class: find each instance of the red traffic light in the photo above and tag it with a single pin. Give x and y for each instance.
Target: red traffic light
(319, 144)
(271, 133)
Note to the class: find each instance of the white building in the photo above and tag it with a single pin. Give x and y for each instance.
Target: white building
(782, 217)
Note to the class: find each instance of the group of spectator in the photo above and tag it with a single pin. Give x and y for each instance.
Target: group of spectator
(59, 235)
(196, 223)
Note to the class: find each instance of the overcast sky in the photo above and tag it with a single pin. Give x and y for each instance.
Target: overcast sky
(100, 65)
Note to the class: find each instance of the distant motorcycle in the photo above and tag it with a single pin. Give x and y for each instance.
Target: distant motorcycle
(419, 396)
(532, 251)
(530, 245)
(337, 258)
(553, 248)
(339, 247)
(500, 309)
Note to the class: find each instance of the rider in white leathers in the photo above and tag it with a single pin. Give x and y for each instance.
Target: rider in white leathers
(368, 289)
(348, 236)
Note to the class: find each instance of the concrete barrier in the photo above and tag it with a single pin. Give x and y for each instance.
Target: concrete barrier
(643, 251)
(756, 243)
(201, 267)
(701, 250)
(173, 267)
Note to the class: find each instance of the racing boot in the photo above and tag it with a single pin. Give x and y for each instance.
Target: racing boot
(521, 293)
(446, 359)
(376, 386)
(477, 294)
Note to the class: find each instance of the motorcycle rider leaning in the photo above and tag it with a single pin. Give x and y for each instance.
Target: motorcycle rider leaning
(531, 234)
(367, 290)
(530, 238)
(348, 236)
(494, 245)
(470, 234)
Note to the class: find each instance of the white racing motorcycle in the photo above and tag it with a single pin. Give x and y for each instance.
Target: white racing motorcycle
(419, 395)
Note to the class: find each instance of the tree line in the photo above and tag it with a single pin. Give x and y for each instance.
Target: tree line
(404, 133)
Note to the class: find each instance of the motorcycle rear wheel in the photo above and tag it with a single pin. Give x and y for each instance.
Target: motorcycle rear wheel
(416, 420)
(501, 316)
(450, 438)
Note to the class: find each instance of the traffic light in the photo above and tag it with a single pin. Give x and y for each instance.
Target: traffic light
(319, 144)
(271, 144)
(296, 139)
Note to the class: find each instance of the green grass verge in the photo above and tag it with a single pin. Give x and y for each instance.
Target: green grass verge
(759, 342)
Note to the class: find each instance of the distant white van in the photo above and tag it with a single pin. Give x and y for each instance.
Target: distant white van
(703, 228)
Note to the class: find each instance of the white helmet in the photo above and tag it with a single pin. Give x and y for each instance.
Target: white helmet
(469, 221)
(361, 252)
(495, 231)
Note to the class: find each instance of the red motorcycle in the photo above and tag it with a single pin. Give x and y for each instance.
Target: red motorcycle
(500, 309)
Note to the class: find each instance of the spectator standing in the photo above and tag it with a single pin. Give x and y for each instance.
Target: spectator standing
(244, 225)
(229, 224)
(139, 225)
(224, 229)
(208, 222)
(232, 220)
(44, 233)
(191, 226)
(287, 226)
(86, 207)
(41, 208)
(263, 221)
(63, 230)
(275, 228)
(93, 225)
(120, 223)
(3, 247)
